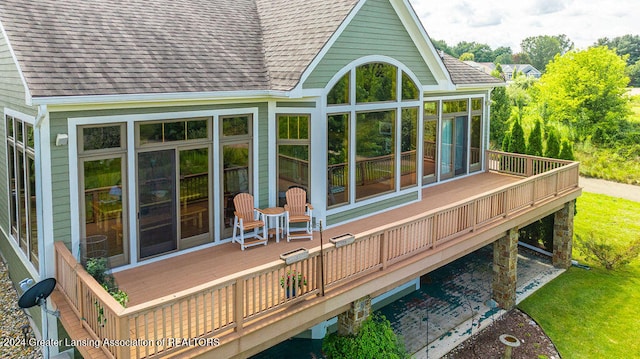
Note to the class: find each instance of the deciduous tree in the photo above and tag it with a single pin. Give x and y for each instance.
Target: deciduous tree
(542, 49)
(582, 89)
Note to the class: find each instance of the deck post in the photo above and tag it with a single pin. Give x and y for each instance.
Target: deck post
(563, 236)
(505, 261)
(238, 306)
(350, 322)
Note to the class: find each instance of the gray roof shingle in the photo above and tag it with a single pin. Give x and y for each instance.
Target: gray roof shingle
(111, 47)
(465, 74)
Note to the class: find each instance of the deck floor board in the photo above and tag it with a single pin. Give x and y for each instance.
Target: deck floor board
(172, 275)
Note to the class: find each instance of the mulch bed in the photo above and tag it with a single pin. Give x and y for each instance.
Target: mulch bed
(486, 344)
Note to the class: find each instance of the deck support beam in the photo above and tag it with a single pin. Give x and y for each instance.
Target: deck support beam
(505, 265)
(563, 235)
(350, 322)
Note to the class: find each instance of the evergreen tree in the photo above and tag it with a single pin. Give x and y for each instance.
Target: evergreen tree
(566, 150)
(534, 142)
(506, 142)
(553, 145)
(517, 143)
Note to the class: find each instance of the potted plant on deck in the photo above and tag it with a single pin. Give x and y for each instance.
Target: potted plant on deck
(291, 281)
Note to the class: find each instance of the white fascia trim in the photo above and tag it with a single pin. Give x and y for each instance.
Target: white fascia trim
(312, 66)
(162, 97)
(439, 88)
(483, 87)
(27, 93)
(421, 39)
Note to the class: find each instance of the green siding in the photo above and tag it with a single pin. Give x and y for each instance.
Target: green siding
(375, 30)
(370, 208)
(60, 161)
(18, 272)
(11, 96)
(11, 87)
(296, 104)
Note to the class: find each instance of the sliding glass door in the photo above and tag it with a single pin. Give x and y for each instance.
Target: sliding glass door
(454, 147)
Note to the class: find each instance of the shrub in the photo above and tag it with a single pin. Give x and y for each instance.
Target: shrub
(375, 340)
(609, 255)
(98, 269)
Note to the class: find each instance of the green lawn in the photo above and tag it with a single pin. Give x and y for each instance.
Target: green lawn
(595, 313)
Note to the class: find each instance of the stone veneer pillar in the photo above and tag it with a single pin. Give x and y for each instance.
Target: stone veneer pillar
(563, 236)
(505, 265)
(350, 322)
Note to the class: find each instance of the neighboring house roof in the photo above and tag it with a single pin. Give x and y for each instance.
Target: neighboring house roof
(526, 69)
(114, 47)
(465, 74)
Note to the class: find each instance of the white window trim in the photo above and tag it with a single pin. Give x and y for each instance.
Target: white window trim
(353, 108)
(131, 120)
(24, 258)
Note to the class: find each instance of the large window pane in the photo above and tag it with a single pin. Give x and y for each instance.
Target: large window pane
(293, 168)
(339, 94)
(103, 202)
(236, 176)
(375, 153)
(376, 82)
(13, 186)
(33, 217)
(194, 192)
(22, 203)
(338, 159)
(293, 153)
(408, 147)
(429, 141)
(476, 135)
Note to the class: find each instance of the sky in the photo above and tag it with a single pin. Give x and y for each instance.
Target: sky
(506, 23)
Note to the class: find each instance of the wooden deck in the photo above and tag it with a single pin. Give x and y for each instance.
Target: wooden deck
(236, 297)
(172, 275)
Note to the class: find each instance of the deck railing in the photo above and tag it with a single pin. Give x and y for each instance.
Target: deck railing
(230, 304)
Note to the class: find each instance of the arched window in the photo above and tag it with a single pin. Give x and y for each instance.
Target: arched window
(372, 129)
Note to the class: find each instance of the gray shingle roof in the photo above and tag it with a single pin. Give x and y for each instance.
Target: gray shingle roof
(465, 74)
(109, 47)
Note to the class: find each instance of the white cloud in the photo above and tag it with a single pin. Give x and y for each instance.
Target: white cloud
(505, 23)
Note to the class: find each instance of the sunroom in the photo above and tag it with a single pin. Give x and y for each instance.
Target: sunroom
(158, 183)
